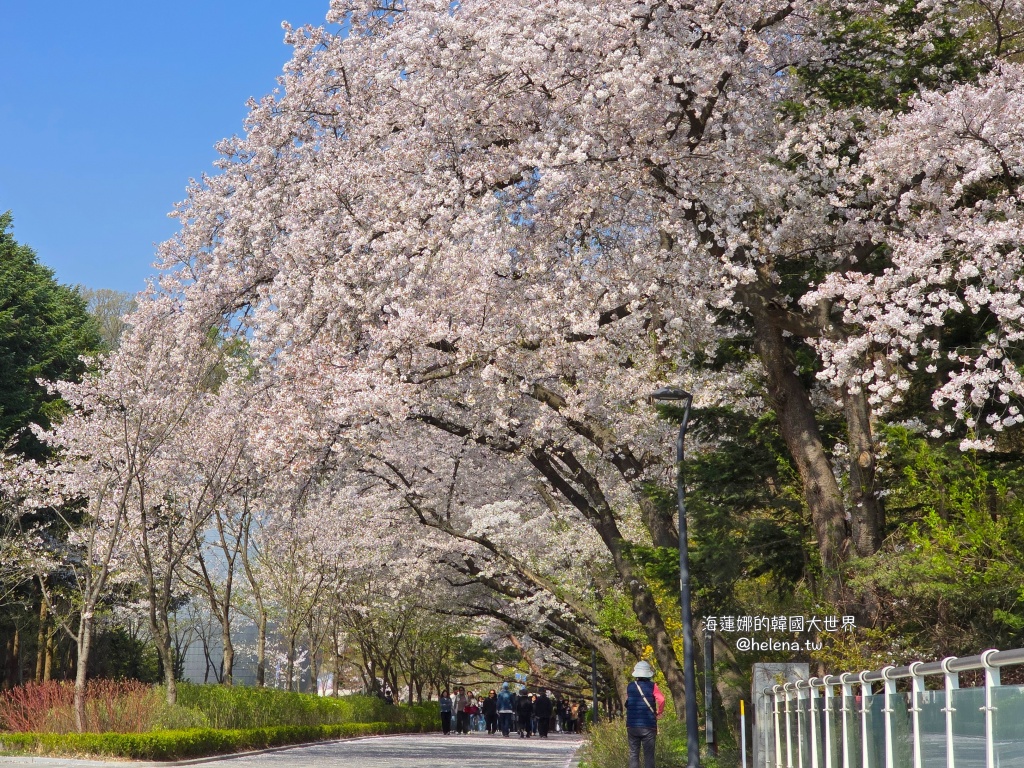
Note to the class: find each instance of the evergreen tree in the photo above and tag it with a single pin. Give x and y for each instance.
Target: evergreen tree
(44, 330)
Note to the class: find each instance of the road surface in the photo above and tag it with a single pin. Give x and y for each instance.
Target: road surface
(470, 751)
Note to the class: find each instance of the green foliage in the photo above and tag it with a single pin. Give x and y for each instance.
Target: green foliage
(118, 655)
(745, 513)
(213, 719)
(607, 746)
(44, 328)
(877, 60)
(108, 308)
(241, 707)
(183, 744)
(616, 615)
(174, 717)
(951, 575)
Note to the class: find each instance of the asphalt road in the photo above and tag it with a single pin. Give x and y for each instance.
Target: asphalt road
(472, 751)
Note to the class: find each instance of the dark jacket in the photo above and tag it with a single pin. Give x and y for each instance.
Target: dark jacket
(638, 713)
(542, 706)
(489, 706)
(524, 708)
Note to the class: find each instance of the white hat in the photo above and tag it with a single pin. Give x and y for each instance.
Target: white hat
(643, 669)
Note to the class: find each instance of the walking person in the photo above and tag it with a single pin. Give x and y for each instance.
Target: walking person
(473, 710)
(644, 705)
(506, 707)
(524, 709)
(574, 716)
(446, 713)
(542, 710)
(461, 713)
(489, 707)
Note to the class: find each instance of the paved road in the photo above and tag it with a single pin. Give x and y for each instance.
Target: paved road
(472, 751)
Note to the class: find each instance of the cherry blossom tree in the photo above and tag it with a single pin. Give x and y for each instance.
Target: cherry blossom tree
(509, 223)
(462, 243)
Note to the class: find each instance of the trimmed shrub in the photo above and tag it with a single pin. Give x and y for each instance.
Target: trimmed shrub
(242, 707)
(179, 745)
(208, 720)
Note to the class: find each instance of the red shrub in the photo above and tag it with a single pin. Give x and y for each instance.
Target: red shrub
(122, 706)
(29, 707)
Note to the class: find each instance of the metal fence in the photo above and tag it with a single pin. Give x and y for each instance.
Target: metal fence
(916, 716)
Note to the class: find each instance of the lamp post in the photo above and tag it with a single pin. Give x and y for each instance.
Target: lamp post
(668, 394)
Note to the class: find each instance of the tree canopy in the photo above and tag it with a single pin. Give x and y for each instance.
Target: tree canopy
(432, 285)
(44, 330)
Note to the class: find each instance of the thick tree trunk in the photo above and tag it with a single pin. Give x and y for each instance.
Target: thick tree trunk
(83, 642)
(290, 667)
(261, 650)
(160, 627)
(228, 656)
(15, 676)
(336, 678)
(412, 676)
(41, 640)
(162, 640)
(660, 523)
(48, 663)
(867, 514)
(799, 429)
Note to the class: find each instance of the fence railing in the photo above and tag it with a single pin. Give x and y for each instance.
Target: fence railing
(892, 718)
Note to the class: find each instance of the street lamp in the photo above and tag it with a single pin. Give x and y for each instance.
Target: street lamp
(668, 394)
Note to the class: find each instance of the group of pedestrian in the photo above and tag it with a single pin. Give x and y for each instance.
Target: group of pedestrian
(468, 711)
(533, 714)
(506, 711)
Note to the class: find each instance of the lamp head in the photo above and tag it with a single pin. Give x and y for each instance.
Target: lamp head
(670, 394)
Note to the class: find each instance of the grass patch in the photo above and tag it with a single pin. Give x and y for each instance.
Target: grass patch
(607, 746)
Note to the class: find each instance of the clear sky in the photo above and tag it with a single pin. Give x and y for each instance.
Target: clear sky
(108, 107)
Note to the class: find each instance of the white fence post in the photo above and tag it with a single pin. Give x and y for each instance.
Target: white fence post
(888, 691)
(789, 727)
(828, 707)
(847, 695)
(991, 680)
(952, 683)
(812, 721)
(778, 729)
(865, 705)
(916, 691)
(800, 714)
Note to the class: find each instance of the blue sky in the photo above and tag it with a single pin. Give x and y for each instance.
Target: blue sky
(107, 108)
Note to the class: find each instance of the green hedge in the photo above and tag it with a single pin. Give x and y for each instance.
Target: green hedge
(194, 742)
(242, 707)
